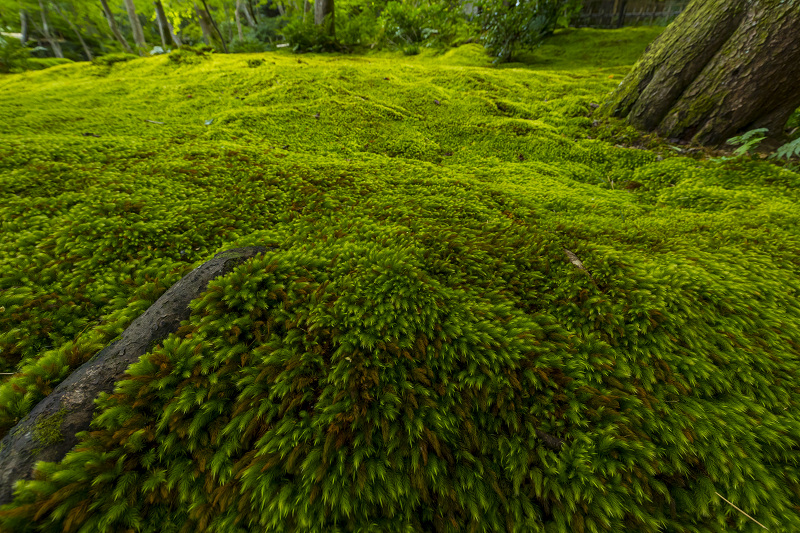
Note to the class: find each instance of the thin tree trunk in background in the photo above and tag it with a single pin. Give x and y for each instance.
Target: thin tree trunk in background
(214, 25)
(322, 10)
(306, 8)
(74, 28)
(138, 33)
(46, 31)
(162, 30)
(722, 68)
(201, 19)
(23, 22)
(238, 20)
(162, 17)
(227, 14)
(254, 15)
(248, 15)
(112, 25)
(621, 13)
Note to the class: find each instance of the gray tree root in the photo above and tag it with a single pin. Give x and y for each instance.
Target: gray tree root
(48, 432)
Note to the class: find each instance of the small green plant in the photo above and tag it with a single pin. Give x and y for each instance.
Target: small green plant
(13, 56)
(788, 150)
(305, 36)
(508, 26)
(248, 46)
(411, 50)
(190, 54)
(255, 63)
(405, 23)
(749, 141)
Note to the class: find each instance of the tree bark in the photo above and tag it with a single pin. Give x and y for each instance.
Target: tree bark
(74, 28)
(210, 36)
(723, 67)
(204, 26)
(46, 32)
(162, 17)
(238, 20)
(69, 408)
(112, 25)
(248, 15)
(253, 14)
(162, 29)
(136, 26)
(620, 13)
(214, 25)
(23, 25)
(322, 10)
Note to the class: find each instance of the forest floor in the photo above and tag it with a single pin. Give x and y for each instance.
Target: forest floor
(462, 256)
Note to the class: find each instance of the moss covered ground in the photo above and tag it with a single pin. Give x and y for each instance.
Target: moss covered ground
(461, 264)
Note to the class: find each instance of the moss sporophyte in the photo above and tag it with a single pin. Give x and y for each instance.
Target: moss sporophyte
(402, 360)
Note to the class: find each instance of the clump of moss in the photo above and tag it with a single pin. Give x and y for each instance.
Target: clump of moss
(190, 54)
(112, 59)
(47, 430)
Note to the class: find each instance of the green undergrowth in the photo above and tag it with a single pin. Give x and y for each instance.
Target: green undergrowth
(459, 276)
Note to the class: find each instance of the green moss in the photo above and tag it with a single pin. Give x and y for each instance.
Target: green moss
(47, 430)
(392, 362)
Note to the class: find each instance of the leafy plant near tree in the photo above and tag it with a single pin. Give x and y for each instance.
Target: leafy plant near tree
(509, 25)
(749, 142)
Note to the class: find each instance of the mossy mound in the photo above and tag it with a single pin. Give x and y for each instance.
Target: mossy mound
(472, 317)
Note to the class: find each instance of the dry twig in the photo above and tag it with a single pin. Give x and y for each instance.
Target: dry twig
(747, 515)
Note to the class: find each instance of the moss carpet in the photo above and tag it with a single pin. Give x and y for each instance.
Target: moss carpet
(458, 265)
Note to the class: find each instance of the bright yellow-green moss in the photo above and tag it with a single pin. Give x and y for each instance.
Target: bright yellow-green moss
(389, 365)
(48, 429)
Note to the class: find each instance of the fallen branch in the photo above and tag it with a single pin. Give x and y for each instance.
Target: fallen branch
(154, 122)
(48, 432)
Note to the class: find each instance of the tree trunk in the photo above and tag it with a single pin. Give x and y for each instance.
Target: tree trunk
(23, 27)
(136, 26)
(162, 29)
(74, 28)
(723, 67)
(238, 20)
(248, 14)
(204, 26)
(162, 17)
(323, 8)
(253, 15)
(214, 25)
(46, 32)
(112, 25)
(620, 13)
(69, 408)
(210, 36)
(226, 12)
